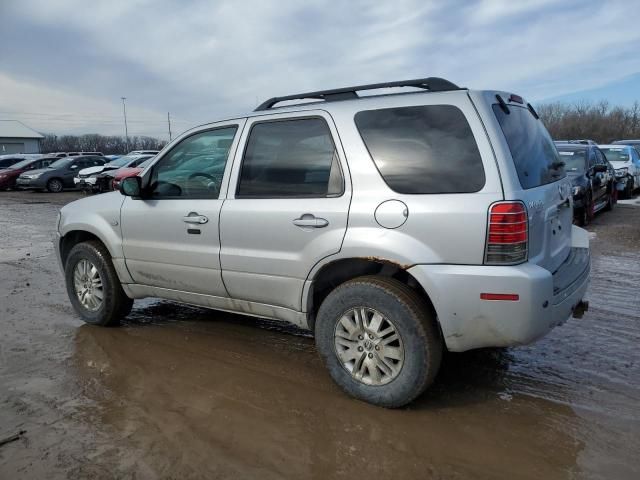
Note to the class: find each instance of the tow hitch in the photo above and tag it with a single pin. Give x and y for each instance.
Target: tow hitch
(580, 308)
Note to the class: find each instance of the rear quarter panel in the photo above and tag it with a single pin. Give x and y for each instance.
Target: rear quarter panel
(440, 228)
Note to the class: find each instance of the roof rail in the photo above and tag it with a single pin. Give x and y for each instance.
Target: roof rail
(433, 84)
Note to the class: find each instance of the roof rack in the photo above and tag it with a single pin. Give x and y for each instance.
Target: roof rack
(433, 84)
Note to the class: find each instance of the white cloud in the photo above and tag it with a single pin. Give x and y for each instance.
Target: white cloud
(204, 60)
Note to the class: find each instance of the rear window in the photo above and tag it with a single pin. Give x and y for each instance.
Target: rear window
(534, 154)
(425, 149)
(575, 159)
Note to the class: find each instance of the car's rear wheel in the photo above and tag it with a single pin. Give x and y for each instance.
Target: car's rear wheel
(55, 185)
(93, 285)
(379, 340)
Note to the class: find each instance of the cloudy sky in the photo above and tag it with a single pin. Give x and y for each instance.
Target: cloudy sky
(64, 64)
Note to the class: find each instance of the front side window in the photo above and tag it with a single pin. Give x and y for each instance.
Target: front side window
(290, 158)
(423, 150)
(194, 167)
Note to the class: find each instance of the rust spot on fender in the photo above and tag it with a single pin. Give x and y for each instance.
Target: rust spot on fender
(389, 262)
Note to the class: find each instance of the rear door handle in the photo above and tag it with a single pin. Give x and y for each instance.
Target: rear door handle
(308, 220)
(195, 217)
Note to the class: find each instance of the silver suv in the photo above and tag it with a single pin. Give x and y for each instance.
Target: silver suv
(392, 226)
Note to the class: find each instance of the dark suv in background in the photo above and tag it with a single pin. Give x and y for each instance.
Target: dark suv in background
(591, 178)
(59, 175)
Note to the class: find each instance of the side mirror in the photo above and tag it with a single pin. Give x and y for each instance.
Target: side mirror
(600, 168)
(131, 186)
(73, 167)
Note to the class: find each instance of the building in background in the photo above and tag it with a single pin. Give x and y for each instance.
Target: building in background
(16, 137)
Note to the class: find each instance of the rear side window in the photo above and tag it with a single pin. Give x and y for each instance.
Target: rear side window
(290, 158)
(532, 149)
(425, 149)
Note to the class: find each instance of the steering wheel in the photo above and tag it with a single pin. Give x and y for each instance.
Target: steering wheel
(211, 185)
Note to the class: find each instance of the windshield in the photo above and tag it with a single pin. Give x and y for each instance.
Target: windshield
(574, 159)
(63, 162)
(20, 164)
(616, 154)
(534, 154)
(119, 162)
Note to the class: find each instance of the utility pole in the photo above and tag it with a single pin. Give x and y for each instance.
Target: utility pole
(126, 131)
(169, 122)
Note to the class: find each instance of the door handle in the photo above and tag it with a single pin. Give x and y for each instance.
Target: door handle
(308, 220)
(195, 217)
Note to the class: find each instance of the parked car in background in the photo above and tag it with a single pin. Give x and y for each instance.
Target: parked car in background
(90, 180)
(142, 152)
(593, 185)
(57, 176)
(392, 226)
(8, 160)
(8, 176)
(633, 143)
(113, 157)
(578, 141)
(115, 177)
(626, 160)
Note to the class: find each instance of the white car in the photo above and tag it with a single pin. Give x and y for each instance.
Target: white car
(626, 161)
(87, 177)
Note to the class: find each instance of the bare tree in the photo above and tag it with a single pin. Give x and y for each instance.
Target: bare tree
(596, 121)
(93, 142)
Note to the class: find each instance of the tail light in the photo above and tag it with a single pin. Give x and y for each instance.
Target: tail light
(507, 234)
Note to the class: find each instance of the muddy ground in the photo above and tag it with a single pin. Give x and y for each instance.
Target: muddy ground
(179, 392)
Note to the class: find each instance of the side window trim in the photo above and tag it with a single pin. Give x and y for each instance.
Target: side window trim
(245, 140)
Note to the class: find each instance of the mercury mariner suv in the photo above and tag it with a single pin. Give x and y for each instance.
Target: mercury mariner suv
(391, 225)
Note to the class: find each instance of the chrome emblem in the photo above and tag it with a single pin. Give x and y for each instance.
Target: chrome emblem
(535, 205)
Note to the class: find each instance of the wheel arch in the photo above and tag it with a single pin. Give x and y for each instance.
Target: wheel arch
(338, 271)
(76, 233)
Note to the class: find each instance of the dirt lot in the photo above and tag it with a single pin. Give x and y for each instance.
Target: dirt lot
(180, 392)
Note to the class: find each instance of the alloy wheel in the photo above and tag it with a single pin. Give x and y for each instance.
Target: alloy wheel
(88, 285)
(369, 346)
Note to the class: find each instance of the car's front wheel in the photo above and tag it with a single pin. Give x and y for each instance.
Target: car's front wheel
(55, 185)
(93, 285)
(379, 340)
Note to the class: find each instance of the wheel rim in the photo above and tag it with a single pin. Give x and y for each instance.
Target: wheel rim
(88, 285)
(369, 346)
(55, 185)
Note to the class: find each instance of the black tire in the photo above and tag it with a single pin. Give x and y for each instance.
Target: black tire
(582, 216)
(413, 321)
(55, 185)
(610, 200)
(115, 304)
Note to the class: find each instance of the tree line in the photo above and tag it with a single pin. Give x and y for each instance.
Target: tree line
(599, 121)
(93, 142)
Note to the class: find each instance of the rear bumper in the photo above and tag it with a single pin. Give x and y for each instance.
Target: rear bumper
(545, 300)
